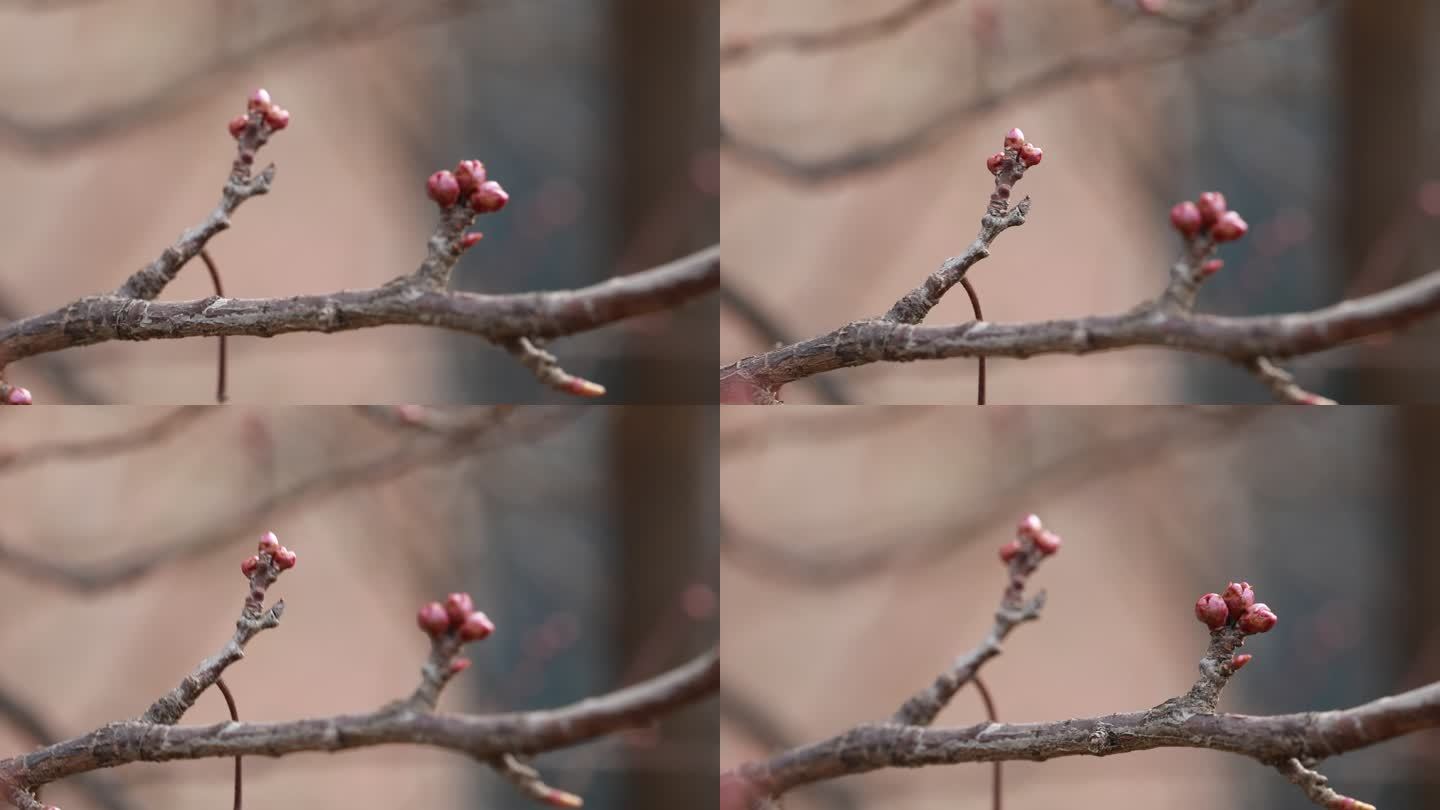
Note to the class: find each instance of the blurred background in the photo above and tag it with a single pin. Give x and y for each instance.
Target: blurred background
(598, 117)
(587, 534)
(859, 557)
(852, 170)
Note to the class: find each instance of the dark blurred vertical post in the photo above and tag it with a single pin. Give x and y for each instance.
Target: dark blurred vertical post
(1387, 95)
(667, 62)
(665, 478)
(1389, 100)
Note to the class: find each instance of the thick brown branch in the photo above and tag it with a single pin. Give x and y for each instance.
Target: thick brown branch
(1272, 740)
(483, 737)
(1237, 338)
(99, 319)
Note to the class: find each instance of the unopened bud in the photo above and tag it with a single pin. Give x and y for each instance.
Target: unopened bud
(1258, 618)
(470, 174)
(443, 188)
(285, 559)
(476, 626)
(458, 606)
(259, 100)
(488, 198)
(1029, 526)
(1185, 216)
(1211, 205)
(1211, 611)
(1229, 227)
(432, 619)
(1238, 596)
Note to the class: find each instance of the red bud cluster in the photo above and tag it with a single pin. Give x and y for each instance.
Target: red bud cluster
(467, 182)
(269, 546)
(1210, 214)
(1236, 606)
(1016, 149)
(456, 615)
(1033, 533)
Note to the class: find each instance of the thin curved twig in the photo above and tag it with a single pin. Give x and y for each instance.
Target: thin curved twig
(975, 306)
(219, 293)
(234, 715)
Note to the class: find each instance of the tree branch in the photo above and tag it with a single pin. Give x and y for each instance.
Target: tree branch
(1292, 743)
(416, 298)
(1167, 320)
(499, 740)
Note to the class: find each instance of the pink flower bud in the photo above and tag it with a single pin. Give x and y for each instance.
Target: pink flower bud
(1047, 542)
(277, 118)
(259, 101)
(1009, 551)
(476, 627)
(469, 240)
(18, 396)
(993, 162)
(1239, 661)
(443, 188)
(470, 174)
(1211, 205)
(1014, 139)
(1258, 618)
(1211, 611)
(582, 387)
(1229, 227)
(269, 543)
(1185, 216)
(284, 559)
(488, 198)
(459, 665)
(559, 798)
(1030, 154)
(1211, 267)
(432, 619)
(1029, 526)
(459, 606)
(1238, 596)
(237, 125)
(248, 567)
